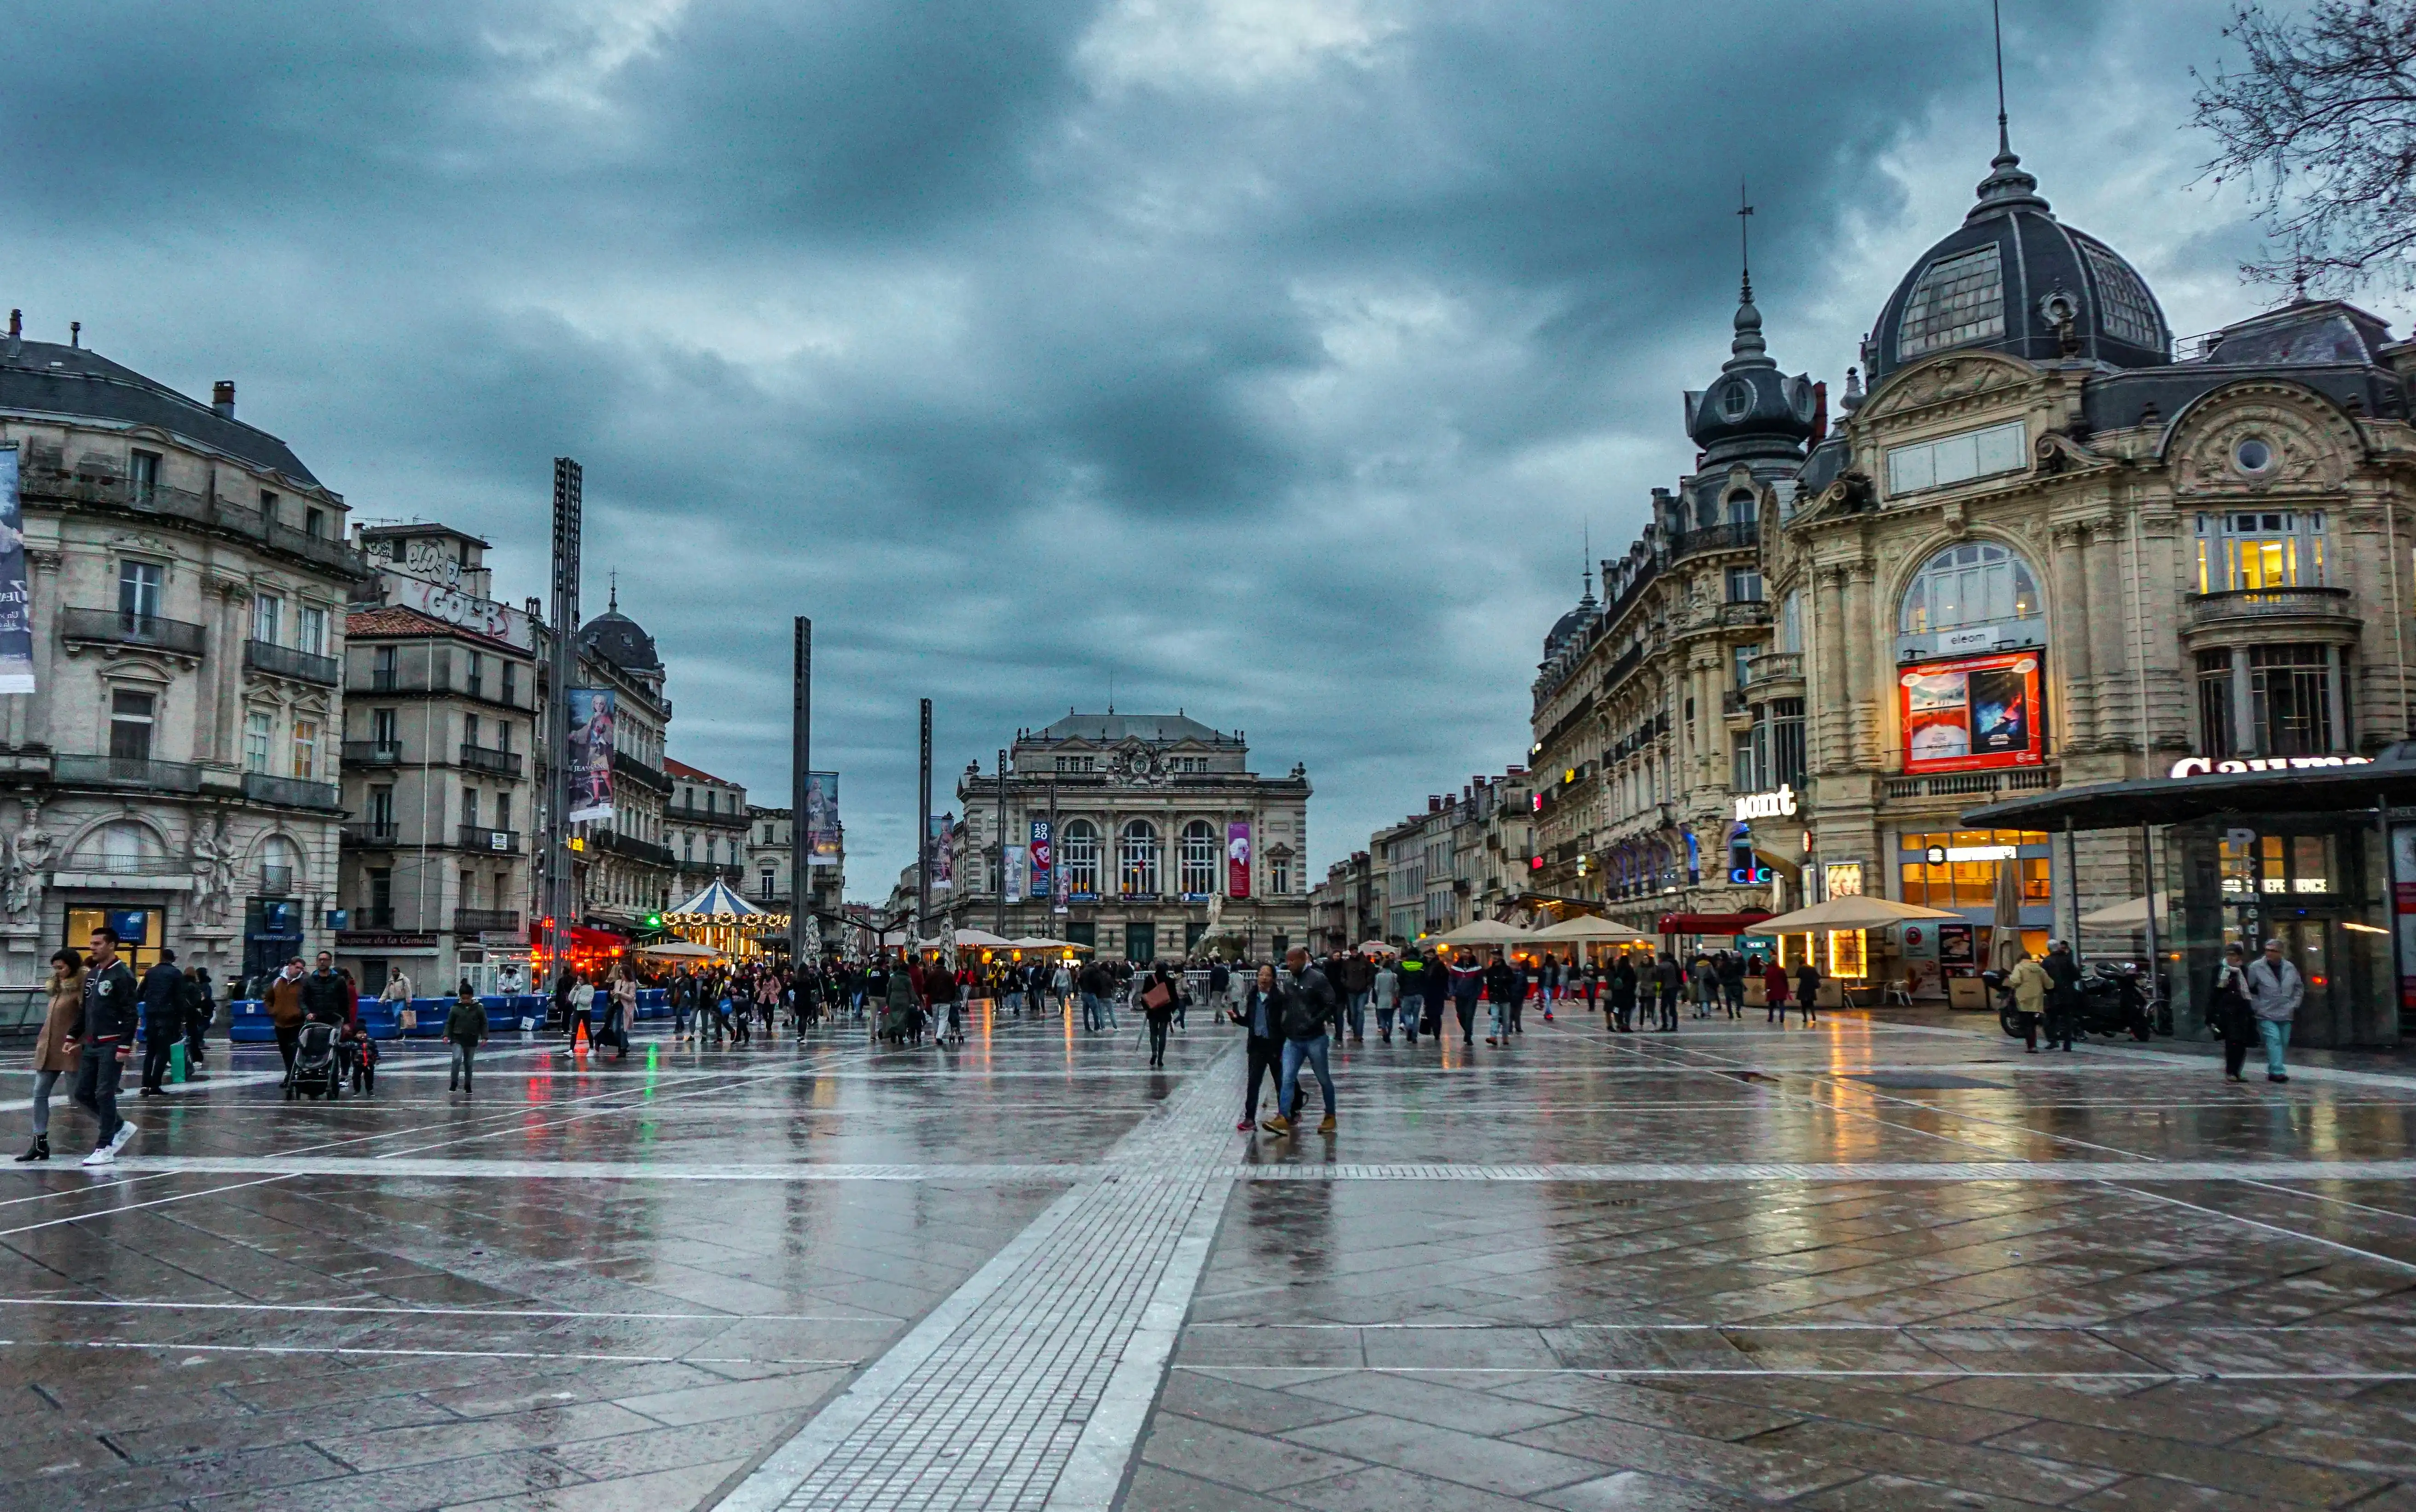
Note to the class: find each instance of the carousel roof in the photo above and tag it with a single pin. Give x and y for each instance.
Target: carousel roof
(716, 902)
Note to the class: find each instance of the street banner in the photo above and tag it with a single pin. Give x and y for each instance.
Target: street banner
(1015, 868)
(590, 757)
(1237, 858)
(821, 828)
(943, 864)
(16, 603)
(1043, 877)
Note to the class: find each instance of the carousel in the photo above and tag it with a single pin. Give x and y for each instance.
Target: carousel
(724, 923)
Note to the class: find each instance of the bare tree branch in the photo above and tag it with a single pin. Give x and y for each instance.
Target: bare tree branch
(2320, 126)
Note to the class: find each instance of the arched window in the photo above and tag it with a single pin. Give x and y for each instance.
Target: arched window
(1198, 857)
(1974, 583)
(1078, 852)
(123, 847)
(1741, 508)
(1140, 857)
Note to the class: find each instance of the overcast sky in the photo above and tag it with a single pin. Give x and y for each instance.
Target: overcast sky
(1268, 356)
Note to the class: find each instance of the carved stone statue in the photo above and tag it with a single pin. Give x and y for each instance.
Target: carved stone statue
(29, 857)
(213, 868)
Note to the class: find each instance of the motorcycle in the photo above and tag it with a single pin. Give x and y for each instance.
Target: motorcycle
(2112, 1003)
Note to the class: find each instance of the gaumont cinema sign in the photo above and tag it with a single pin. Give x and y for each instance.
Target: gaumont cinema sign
(2210, 767)
(1778, 805)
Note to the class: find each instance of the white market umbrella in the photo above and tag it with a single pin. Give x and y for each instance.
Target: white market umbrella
(1487, 933)
(1374, 948)
(1850, 913)
(2130, 916)
(981, 940)
(1585, 927)
(680, 950)
(1038, 942)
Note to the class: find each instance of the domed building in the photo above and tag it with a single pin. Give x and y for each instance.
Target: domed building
(2047, 547)
(627, 868)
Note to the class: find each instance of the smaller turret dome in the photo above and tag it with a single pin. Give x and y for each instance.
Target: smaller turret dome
(1752, 409)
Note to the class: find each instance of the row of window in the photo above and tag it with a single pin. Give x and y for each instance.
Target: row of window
(142, 483)
(386, 671)
(142, 595)
(1199, 865)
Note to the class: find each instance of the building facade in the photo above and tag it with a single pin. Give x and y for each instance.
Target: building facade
(173, 769)
(1161, 836)
(767, 867)
(2046, 547)
(707, 827)
(621, 868)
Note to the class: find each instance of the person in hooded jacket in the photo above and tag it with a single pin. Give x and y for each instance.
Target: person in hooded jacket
(102, 1033)
(53, 1056)
(162, 998)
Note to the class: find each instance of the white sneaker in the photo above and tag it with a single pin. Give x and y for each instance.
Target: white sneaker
(102, 1156)
(126, 1130)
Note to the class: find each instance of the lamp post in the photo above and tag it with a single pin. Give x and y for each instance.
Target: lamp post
(1001, 878)
(800, 755)
(923, 830)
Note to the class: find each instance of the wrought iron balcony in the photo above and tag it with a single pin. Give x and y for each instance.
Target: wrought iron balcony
(113, 626)
(476, 838)
(373, 752)
(482, 758)
(284, 662)
(636, 849)
(486, 920)
(1743, 536)
(637, 771)
(289, 792)
(126, 772)
(373, 834)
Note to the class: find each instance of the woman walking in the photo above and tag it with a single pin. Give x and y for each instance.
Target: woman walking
(1622, 994)
(2229, 1012)
(1157, 1008)
(623, 1012)
(1774, 992)
(51, 1058)
(1808, 992)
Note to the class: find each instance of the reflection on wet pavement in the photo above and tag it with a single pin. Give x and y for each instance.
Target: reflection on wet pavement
(1871, 1264)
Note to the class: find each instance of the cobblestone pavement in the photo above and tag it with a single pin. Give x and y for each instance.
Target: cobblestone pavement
(1892, 1264)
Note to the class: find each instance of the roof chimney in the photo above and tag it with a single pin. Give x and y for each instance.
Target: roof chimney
(75, 333)
(223, 399)
(16, 333)
(1434, 803)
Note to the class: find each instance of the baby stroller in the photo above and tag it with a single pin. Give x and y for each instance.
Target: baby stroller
(317, 1069)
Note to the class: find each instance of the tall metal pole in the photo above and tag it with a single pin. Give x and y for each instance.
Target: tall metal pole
(923, 832)
(801, 756)
(1002, 841)
(563, 670)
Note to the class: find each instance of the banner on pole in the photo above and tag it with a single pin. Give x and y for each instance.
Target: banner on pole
(944, 862)
(1014, 872)
(590, 757)
(1043, 875)
(1237, 858)
(16, 601)
(821, 819)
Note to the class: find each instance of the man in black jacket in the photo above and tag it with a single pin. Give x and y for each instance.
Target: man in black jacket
(163, 1000)
(200, 1006)
(324, 999)
(2063, 996)
(1306, 1003)
(103, 1031)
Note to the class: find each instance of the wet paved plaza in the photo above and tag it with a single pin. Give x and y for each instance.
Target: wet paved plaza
(1892, 1265)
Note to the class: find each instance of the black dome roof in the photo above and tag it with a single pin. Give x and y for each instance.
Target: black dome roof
(621, 640)
(1752, 409)
(2009, 278)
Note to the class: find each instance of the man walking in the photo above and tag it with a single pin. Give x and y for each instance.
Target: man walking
(2062, 994)
(200, 1007)
(1467, 981)
(1504, 986)
(103, 1034)
(285, 1012)
(2275, 990)
(1307, 1002)
(162, 998)
(464, 1027)
(1671, 979)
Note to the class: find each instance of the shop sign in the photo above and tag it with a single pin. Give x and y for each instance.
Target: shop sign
(1777, 804)
(1920, 940)
(384, 940)
(2210, 766)
(1972, 713)
(1845, 878)
(1955, 947)
(1938, 856)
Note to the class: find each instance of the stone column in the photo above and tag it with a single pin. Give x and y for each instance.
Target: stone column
(1827, 716)
(2113, 708)
(1858, 629)
(29, 714)
(2068, 641)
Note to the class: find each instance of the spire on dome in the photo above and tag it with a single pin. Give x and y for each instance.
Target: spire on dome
(612, 596)
(2007, 187)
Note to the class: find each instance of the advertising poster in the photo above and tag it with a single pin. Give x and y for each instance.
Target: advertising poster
(2403, 907)
(1972, 713)
(1015, 868)
(1237, 858)
(943, 846)
(16, 602)
(590, 757)
(822, 818)
(1043, 875)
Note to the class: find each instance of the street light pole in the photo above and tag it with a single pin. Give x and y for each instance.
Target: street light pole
(923, 830)
(801, 756)
(563, 665)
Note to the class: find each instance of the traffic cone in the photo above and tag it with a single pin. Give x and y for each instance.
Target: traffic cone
(579, 1040)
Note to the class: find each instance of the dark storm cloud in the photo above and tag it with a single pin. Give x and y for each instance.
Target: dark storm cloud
(1266, 356)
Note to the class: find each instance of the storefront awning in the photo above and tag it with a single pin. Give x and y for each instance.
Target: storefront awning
(2196, 789)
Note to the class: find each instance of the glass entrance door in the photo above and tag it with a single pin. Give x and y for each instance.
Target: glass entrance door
(1141, 942)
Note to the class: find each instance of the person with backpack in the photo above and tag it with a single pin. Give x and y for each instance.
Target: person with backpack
(162, 999)
(1307, 1006)
(465, 1027)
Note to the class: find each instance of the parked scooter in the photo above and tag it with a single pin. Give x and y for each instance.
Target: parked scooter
(2112, 1003)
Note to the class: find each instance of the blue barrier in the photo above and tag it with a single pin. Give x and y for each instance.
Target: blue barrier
(248, 1022)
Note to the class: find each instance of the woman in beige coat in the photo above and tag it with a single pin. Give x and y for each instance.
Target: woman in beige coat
(51, 1057)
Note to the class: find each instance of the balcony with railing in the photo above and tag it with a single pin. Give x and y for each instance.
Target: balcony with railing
(2265, 608)
(1738, 535)
(483, 759)
(112, 626)
(486, 920)
(638, 771)
(616, 844)
(478, 837)
(689, 814)
(284, 662)
(1773, 667)
(372, 753)
(373, 834)
(163, 500)
(126, 772)
(289, 792)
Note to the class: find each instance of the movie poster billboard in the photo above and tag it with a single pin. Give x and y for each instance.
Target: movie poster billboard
(942, 845)
(822, 818)
(1044, 875)
(1974, 713)
(16, 603)
(590, 757)
(1014, 872)
(1237, 858)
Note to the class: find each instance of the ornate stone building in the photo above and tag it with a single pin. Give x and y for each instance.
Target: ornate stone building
(707, 827)
(2046, 548)
(174, 768)
(1161, 834)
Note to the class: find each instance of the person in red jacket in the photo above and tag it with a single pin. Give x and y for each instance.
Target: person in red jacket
(1774, 992)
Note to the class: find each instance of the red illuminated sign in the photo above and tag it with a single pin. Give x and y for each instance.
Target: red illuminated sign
(1974, 713)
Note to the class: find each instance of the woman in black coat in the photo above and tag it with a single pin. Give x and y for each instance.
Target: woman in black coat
(1622, 994)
